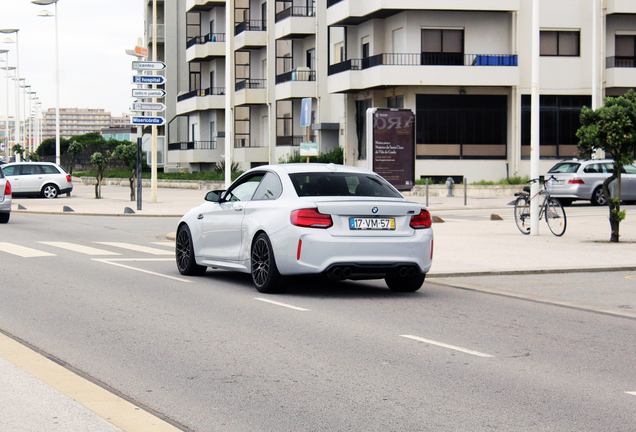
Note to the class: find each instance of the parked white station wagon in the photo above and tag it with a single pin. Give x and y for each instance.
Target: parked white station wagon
(44, 179)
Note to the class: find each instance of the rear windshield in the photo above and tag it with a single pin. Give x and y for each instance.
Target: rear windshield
(565, 167)
(342, 184)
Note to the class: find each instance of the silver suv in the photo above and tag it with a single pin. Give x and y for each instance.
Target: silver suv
(43, 179)
(576, 179)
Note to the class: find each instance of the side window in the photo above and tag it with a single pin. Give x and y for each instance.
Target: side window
(31, 169)
(269, 189)
(49, 169)
(630, 169)
(594, 168)
(12, 170)
(245, 189)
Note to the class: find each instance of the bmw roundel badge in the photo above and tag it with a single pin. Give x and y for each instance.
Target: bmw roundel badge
(374, 210)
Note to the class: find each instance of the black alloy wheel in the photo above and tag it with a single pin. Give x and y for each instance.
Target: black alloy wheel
(265, 274)
(184, 251)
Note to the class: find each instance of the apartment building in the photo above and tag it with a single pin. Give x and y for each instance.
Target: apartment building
(75, 121)
(462, 67)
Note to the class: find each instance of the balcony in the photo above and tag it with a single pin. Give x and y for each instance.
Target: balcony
(620, 72)
(202, 5)
(293, 140)
(250, 92)
(352, 12)
(193, 145)
(201, 100)
(205, 48)
(621, 7)
(195, 151)
(250, 35)
(441, 69)
(161, 33)
(297, 84)
(295, 22)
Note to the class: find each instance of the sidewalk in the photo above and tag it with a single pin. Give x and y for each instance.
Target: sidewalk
(468, 243)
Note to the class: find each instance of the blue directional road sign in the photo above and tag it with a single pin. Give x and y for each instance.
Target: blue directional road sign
(148, 65)
(153, 121)
(305, 112)
(148, 79)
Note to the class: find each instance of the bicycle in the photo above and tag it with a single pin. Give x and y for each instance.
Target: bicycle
(551, 208)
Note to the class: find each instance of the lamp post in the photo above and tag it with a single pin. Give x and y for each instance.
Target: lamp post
(26, 89)
(57, 76)
(17, 74)
(6, 124)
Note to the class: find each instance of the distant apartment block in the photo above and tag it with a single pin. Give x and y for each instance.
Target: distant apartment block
(75, 121)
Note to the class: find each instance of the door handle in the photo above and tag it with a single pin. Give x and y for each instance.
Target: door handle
(238, 208)
(200, 216)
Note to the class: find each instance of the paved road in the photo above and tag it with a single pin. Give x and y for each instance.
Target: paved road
(211, 353)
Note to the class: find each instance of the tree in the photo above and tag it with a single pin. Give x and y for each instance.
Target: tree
(611, 128)
(100, 161)
(18, 149)
(47, 147)
(127, 153)
(75, 149)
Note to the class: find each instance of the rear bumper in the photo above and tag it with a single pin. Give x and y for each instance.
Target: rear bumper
(5, 205)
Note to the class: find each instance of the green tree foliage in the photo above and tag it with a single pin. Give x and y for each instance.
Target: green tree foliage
(75, 148)
(335, 156)
(18, 149)
(611, 128)
(126, 152)
(47, 147)
(100, 161)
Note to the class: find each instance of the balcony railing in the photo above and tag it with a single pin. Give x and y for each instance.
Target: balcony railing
(620, 62)
(210, 37)
(296, 11)
(217, 91)
(332, 2)
(426, 59)
(193, 145)
(293, 140)
(250, 84)
(252, 25)
(296, 75)
(244, 142)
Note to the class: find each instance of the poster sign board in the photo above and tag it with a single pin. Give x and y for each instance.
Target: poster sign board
(309, 149)
(391, 145)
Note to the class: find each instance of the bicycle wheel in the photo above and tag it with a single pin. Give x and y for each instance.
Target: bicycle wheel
(555, 217)
(522, 214)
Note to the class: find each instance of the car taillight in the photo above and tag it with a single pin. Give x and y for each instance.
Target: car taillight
(310, 218)
(576, 181)
(422, 220)
(7, 188)
(68, 178)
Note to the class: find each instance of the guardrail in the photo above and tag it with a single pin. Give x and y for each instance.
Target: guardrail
(296, 75)
(210, 37)
(218, 91)
(620, 62)
(293, 140)
(296, 11)
(251, 84)
(424, 59)
(251, 25)
(192, 145)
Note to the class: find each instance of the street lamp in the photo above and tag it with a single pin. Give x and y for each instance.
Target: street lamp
(17, 73)
(57, 75)
(6, 124)
(25, 90)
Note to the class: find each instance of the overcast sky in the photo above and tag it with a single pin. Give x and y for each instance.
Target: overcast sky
(95, 71)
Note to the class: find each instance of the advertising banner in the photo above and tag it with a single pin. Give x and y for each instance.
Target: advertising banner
(393, 146)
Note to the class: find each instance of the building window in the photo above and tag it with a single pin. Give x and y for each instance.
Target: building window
(193, 25)
(311, 59)
(242, 64)
(284, 49)
(195, 76)
(625, 51)
(395, 102)
(461, 126)
(560, 43)
(242, 126)
(558, 123)
(284, 122)
(442, 47)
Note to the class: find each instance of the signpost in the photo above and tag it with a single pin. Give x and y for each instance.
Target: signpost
(146, 106)
(148, 65)
(152, 121)
(148, 79)
(308, 148)
(149, 93)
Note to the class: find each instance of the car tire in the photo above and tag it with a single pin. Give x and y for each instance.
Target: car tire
(184, 252)
(264, 272)
(4, 217)
(405, 284)
(598, 197)
(50, 191)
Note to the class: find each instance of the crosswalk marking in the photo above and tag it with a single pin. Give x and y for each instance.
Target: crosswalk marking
(164, 243)
(137, 248)
(87, 250)
(22, 251)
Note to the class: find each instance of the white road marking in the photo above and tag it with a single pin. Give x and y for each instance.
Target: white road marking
(164, 243)
(116, 263)
(22, 251)
(453, 347)
(137, 248)
(80, 248)
(631, 393)
(281, 304)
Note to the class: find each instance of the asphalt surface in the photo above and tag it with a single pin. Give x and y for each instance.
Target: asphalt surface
(474, 241)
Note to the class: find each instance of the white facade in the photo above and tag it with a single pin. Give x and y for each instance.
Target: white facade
(463, 67)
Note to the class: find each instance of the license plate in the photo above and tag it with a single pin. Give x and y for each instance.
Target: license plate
(558, 182)
(372, 223)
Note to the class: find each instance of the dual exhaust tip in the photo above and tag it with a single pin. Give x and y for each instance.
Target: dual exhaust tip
(345, 272)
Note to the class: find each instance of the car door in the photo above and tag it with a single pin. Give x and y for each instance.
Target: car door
(628, 184)
(31, 178)
(12, 173)
(221, 223)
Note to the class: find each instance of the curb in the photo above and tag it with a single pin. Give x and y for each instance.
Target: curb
(521, 272)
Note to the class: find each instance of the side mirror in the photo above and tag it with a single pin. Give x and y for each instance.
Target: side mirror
(214, 196)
